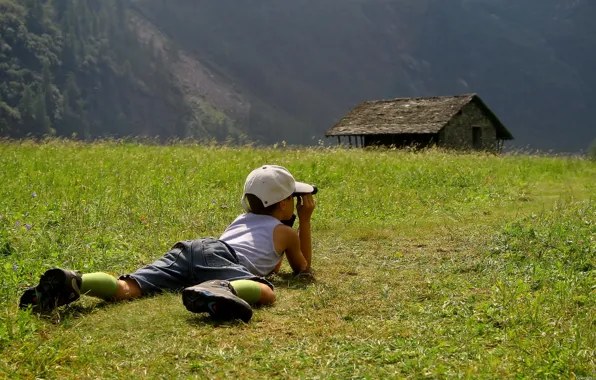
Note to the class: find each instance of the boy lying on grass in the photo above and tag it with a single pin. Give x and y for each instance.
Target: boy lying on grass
(222, 277)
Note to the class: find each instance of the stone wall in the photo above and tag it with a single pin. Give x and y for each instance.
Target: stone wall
(458, 133)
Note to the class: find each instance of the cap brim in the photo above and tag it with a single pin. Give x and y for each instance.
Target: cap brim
(303, 188)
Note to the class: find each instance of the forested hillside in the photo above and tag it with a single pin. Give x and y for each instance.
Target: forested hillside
(77, 67)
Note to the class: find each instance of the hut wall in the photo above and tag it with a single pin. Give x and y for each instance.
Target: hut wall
(419, 140)
(458, 133)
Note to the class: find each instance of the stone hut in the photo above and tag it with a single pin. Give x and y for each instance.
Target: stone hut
(457, 122)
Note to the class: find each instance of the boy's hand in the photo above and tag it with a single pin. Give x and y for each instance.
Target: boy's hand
(305, 206)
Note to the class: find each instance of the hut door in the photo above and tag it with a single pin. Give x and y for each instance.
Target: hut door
(477, 137)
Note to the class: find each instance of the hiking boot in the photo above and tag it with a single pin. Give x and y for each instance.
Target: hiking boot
(219, 299)
(56, 287)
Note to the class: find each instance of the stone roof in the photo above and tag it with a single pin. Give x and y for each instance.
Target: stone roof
(409, 115)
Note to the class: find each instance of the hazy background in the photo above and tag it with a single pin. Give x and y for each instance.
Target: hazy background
(288, 70)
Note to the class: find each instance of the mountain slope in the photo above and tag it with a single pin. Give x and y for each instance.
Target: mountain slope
(217, 109)
(288, 70)
(304, 63)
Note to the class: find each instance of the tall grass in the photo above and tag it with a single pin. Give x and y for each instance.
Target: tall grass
(428, 263)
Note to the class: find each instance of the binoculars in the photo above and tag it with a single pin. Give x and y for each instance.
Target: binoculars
(315, 190)
(290, 222)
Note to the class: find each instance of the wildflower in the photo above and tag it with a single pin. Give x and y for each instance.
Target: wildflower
(28, 226)
(15, 267)
(18, 223)
(33, 195)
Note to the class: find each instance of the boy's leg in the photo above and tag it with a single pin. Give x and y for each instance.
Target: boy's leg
(222, 280)
(171, 272)
(254, 292)
(59, 287)
(219, 299)
(227, 300)
(127, 289)
(100, 285)
(215, 260)
(107, 287)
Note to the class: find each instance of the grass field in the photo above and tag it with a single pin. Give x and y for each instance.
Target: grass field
(428, 264)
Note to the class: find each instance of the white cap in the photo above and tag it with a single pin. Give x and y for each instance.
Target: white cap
(272, 184)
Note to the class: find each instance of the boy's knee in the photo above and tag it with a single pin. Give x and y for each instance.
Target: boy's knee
(267, 295)
(127, 288)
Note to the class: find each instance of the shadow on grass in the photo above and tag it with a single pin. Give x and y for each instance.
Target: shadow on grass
(204, 319)
(78, 310)
(290, 281)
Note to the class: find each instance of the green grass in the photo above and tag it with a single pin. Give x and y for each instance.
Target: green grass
(427, 264)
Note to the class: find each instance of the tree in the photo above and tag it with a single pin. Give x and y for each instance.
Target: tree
(8, 115)
(27, 109)
(84, 17)
(60, 8)
(592, 151)
(69, 53)
(35, 16)
(73, 111)
(4, 128)
(48, 90)
(43, 125)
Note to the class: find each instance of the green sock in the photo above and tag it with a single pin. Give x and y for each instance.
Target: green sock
(248, 290)
(100, 285)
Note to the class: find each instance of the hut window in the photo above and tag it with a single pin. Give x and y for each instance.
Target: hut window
(477, 137)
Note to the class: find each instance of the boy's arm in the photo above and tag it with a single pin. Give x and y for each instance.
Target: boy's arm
(305, 207)
(305, 241)
(297, 245)
(278, 266)
(286, 239)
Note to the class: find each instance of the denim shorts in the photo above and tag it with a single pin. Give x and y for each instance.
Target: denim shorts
(192, 262)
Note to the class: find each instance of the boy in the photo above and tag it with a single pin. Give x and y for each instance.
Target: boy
(219, 276)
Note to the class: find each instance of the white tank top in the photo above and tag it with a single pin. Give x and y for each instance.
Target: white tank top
(251, 236)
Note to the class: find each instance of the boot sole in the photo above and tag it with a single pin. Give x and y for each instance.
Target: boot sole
(49, 283)
(219, 307)
(51, 286)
